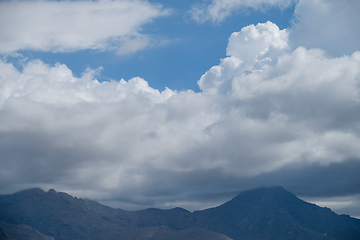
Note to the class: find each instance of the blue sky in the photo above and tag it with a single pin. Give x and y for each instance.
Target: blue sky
(193, 46)
(181, 103)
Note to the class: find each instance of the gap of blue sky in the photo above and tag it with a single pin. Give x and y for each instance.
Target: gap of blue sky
(191, 48)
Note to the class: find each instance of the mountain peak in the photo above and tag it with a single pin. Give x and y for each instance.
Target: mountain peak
(30, 193)
(261, 196)
(52, 191)
(275, 190)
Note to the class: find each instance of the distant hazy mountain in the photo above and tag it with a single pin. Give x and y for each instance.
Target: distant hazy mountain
(265, 213)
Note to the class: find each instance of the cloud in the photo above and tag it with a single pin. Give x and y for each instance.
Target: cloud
(329, 25)
(300, 90)
(218, 10)
(252, 47)
(268, 114)
(65, 26)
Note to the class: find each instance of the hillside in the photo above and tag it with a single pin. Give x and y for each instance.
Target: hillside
(264, 213)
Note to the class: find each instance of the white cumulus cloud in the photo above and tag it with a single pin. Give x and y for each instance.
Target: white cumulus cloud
(251, 48)
(296, 101)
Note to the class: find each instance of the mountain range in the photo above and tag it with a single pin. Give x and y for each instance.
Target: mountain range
(263, 214)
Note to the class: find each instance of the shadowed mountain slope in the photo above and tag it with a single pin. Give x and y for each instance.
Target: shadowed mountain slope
(20, 232)
(264, 213)
(64, 217)
(274, 213)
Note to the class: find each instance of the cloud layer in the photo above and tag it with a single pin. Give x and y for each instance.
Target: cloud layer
(270, 113)
(63, 26)
(265, 111)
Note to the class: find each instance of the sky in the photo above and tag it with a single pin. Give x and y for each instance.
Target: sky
(145, 103)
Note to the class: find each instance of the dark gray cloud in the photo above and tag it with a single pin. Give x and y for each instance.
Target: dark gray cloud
(200, 189)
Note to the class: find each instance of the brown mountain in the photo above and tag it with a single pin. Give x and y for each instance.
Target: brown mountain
(264, 213)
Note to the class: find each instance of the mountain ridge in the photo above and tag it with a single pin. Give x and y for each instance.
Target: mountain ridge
(262, 213)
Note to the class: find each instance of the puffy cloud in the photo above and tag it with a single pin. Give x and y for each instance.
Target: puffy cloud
(266, 115)
(218, 10)
(59, 26)
(331, 25)
(64, 131)
(253, 43)
(251, 48)
(301, 90)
